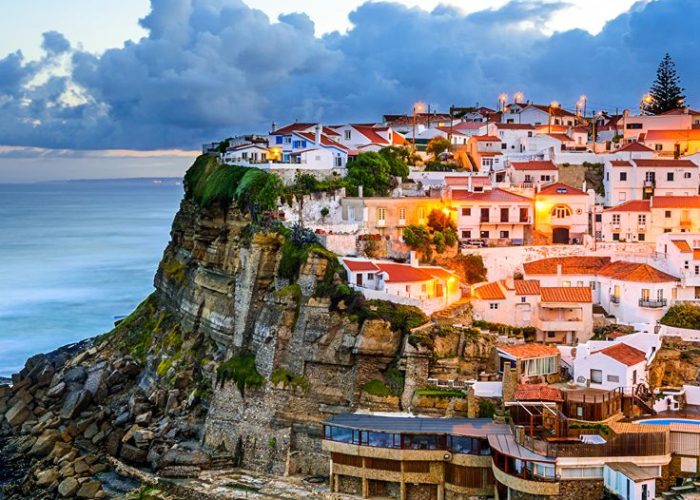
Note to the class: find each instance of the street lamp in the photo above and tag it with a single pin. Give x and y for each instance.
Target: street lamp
(646, 101)
(518, 97)
(502, 101)
(417, 108)
(584, 102)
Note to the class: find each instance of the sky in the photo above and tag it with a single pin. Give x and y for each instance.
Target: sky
(92, 78)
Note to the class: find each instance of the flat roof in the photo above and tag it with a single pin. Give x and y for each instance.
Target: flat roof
(475, 427)
(505, 444)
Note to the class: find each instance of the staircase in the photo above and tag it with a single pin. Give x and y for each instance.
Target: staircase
(459, 308)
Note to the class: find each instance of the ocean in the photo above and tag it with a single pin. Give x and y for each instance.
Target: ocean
(74, 256)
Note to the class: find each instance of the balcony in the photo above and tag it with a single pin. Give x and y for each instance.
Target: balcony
(614, 299)
(686, 223)
(653, 304)
(559, 325)
(483, 219)
(402, 222)
(381, 223)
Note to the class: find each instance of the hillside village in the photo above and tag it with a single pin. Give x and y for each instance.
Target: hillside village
(570, 241)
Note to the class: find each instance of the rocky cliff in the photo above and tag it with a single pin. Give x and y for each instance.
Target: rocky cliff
(231, 362)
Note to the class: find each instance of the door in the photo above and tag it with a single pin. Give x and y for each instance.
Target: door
(645, 492)
(359, 279)
(560, 235)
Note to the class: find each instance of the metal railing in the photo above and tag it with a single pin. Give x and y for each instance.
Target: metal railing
(614, 299)
(653, 304)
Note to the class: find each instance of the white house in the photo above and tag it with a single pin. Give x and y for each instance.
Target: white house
(513, 136)
(636, 128)
(245, 154)
(538, 114)
(562, 213)
(307, 145)
(639, 179)
(532, 173)
(367, 137)
(618, 365)
(430, 288)
(629, 481)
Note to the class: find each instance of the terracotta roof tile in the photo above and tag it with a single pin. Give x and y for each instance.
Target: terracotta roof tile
(673, 135)
(675, 202)
(527, 287)
(631, 206)
(492, 195)
(534, 165)
(537, 392)
(489, 291)
(360, 265)
(561, 137)
(515, 126)
(635, 272)
(696, 254)
(325, 140)
(582, 265)
(620, 163)
(486, 138)
(635, 147)
(561, 189)
(658, 162)
(566, 294)
(623, 353)
(682, 246)
(402, 273)
(294, 127)
(529, 351)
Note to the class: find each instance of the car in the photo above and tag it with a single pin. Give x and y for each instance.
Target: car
(472, 243)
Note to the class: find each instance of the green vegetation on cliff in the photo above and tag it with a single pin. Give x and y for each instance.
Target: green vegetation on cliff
(241, 369)
(682, 316)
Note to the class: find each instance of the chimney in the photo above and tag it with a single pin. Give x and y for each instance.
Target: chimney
(318, 134)
(360, 191)
(274, 126)
(412, 259)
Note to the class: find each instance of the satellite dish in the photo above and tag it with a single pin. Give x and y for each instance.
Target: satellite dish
(581, 380)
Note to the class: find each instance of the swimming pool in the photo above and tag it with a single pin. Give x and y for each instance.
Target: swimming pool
(668, 421)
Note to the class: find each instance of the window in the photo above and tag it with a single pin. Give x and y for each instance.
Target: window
(641, 237)
(667, 214)
(599, 217)
(545, 178)
(279, 139)
(402, 214)
(592, 285)
(623, 176)
(551, 335)
(348, 135)
(641, 219)
(579, 283)
(686, 264)
(381, 215)
(484, 215)
(686, 175)
(613, 378)
(561, 211)
(566, 283)
(370, 276)
(616, 219)
(616, 236)
(504, 215)
(658, 147)
(466, 234)
(522, 299)
(484, 235)
(634, 377)
(669, 176)
(660, 295)
(645, 294)
(596, 376)
(667, 230)
(504, 145)
(697, 270)
(424, 288)
(493, 305)
(466, 212)
(351, 213)
(633, 126)
(338, 161)
(505, 234)
(524, 215)
(650, 176)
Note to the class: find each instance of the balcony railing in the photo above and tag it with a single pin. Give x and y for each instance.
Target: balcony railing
(614, 299)
(653, 304)
(623, 445)
(483, 219)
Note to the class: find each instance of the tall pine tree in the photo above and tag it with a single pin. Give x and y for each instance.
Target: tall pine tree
(666, 91)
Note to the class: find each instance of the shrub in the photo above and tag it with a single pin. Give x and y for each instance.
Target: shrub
(325, 212)
(397, 158)
(441, 393)
(395, 379)
(174, 270)
(377, 388)
(241, 369)
(372, 172)
(486, 408)
(289, 379)
(682, 315)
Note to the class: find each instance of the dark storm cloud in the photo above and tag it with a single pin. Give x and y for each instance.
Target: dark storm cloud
(210, 68)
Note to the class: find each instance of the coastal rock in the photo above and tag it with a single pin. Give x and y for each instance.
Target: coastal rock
(76, 374)
(17, 414)
(75, 402)
(57, 390)
(68, 487)
(89, 489)
(47, 477)
(133, 454)
(45, 443)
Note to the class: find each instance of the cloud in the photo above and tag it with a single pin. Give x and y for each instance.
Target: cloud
(211, 68)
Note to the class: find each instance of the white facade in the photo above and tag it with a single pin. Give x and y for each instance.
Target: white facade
(637, 484)
(598, 370)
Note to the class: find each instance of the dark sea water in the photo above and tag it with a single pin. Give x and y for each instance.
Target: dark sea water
(75, 255)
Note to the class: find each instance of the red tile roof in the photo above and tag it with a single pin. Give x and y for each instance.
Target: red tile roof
(493, 195)
(360, 265)
(371, 134)
(529, 351)
(576, 294)
(681, 111)
(675, 202)
(656, 162)
(635, 147)
(527, 287)
(294, 127)
(561, 189)
(325, 140)
(554, 111)
(534, 165)
(561, 137)
(620, 163)
(625, 354)
(486, 138)
(682, 246)
(581, 265)
(515, 126)
(489, 291)
(397, 139)
(537, 392)
(635, 272)
(673, 135)
(463, 180)
(631, 206)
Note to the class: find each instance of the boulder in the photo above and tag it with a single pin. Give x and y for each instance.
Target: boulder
(89, 489)
(181, 456)
(45, 443)
(132, 454)
(376, 338)
(81, 468)
(68, 487)
(75, 375)
(17, 414)
(91, 431)
(56, 390)
(61, 449)
(46, 477)
(75, 402)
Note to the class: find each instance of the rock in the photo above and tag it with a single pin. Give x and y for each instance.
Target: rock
(56, 390)
(61, 449)
(376, 338)
(97, 468)
(46, 477)
(5, 390)
(179, 471)
(89, 489)
(181, 456)
(91, 431)
(173, 400)
(67, 471)
(133, 454)
(144, 418)
(45, 443)
(143, 437)
(95, 379)
(75, 402)
(122, 419)
(68, 487)
(75, 375)
(17, 414)
(98, 438)
(80, 467)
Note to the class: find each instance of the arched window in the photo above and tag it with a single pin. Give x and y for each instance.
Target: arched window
(561, 211)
